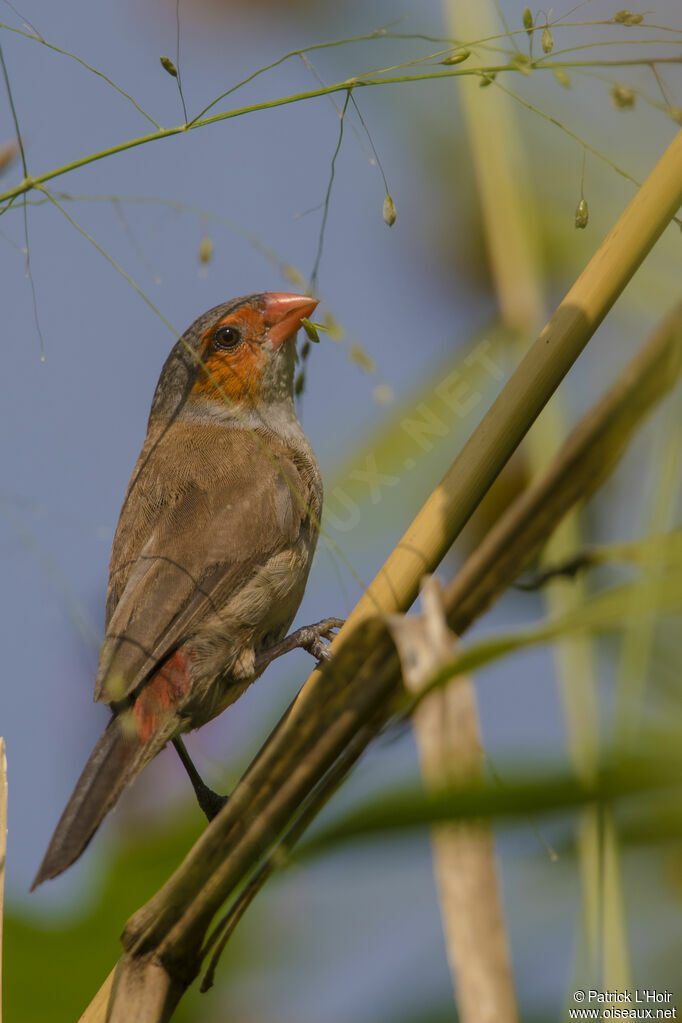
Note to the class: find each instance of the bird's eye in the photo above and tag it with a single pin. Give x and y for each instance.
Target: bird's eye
(226, 339)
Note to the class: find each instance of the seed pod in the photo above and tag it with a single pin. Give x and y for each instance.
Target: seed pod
(627, 18)
(528, 20)
(487, 79)
(623, 96)
(168, 65)
(547, 40)
(300, 384)
(333, 327)
(205, 249)
(457, 58)
(522, 63)
(305, 349)
(582, 214)
(360, 357)
(561, 77)
(8, 154)
(311, 331)
(389, 212)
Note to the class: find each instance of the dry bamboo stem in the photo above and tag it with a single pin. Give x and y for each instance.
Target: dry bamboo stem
(464, 856)
(97, 1010)
(446, 728)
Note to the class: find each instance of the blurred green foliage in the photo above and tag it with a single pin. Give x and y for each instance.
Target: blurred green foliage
(53, 969)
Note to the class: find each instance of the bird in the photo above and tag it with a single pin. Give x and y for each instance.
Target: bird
(211, 554)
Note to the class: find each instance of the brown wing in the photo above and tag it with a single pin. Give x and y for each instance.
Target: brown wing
(237, 508)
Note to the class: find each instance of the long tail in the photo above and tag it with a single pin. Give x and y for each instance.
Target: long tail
(116, 759)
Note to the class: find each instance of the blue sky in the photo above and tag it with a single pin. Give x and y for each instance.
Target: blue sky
(71, 426)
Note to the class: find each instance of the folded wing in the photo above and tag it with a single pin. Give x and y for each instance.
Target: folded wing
(202, 548)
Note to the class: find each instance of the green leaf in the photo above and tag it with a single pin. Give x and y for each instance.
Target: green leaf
(540, 789)
(665, 549)
(611, 610)
(360, 357)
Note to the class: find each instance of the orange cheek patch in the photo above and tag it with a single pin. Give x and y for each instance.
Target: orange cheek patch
(162, 694)
(233, 375)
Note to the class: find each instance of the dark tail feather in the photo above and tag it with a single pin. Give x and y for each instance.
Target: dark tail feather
(115, 761)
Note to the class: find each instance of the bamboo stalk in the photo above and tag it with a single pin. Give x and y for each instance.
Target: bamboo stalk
(364, 673)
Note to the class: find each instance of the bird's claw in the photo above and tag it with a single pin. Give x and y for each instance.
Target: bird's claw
(309, 638)
(319, 650)
(312, 636)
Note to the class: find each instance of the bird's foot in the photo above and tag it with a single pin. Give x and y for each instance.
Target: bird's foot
(210, 802)
(309, 637)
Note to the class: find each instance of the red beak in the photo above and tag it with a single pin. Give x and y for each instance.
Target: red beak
(283, 314)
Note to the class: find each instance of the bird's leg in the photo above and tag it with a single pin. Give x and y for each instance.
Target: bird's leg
(209, 801)
(309, 638)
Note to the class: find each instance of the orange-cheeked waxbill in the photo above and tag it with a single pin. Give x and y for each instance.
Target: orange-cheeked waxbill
(212, 550)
